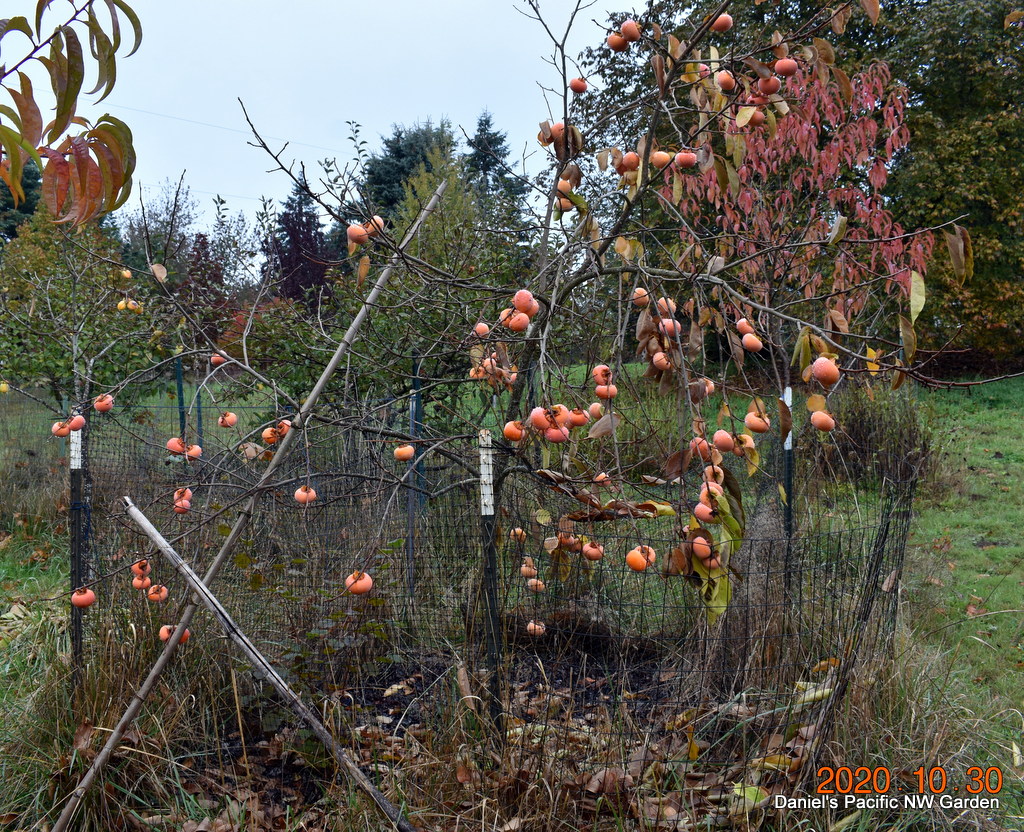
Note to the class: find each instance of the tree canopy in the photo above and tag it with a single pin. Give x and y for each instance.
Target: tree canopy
(405, 150)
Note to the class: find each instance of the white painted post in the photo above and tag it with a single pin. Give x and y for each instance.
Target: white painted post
(486, 473)
(77, 548)
(492, 615)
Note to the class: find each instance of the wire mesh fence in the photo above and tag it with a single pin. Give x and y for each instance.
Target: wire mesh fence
(613, 687)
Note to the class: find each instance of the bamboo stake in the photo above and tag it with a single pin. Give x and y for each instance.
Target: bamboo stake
(265, 668)
(139, 697)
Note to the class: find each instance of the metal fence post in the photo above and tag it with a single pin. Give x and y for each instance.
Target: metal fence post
(77, 551)
(492, 620)
(199, 417)
(412, 495)
(181, 395)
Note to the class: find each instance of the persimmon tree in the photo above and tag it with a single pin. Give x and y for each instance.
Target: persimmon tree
(742, 211)
(89, 165)
(744, 226)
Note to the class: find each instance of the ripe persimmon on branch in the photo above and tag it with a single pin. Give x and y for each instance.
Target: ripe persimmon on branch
(89, 172)
(755, 224)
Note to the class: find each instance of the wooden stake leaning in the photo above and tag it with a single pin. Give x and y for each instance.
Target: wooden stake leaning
(298, 424)
(264, 668)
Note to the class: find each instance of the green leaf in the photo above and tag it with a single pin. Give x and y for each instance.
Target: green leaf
(134, 20)
(41, 7)
(750, 795)
(730, 525)
(917, 295)
(579, 202)
(802, 350)
(103, 51)
(717, 594)
(12, 144)
(16, 24)
(67, 74)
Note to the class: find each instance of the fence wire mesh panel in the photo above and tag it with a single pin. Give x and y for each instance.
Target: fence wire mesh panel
(618, 682)
(633, 695)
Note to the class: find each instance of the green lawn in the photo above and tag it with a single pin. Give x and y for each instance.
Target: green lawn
(967, 544)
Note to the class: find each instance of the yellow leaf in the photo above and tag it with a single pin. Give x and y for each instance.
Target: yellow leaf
(838, 230)
(753, 458)
(917, 295)
(773, 762)
(811, 696)
(872, 366)
(692, 749)
(750, 796)
(744, 115)
(815, 402)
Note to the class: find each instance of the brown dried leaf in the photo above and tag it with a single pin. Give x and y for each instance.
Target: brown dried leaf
(552, 476)
(677, 463)
(658, 65)
(678, 561)
(762, 70)
(909, 339)
(83, 734)
(604, 426)
(736, 348)
(825, 51)
(845, 87)
(645, 327)
(837, 320)
(785, 420)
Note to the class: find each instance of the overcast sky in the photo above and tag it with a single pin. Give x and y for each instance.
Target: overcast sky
(306, 67)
